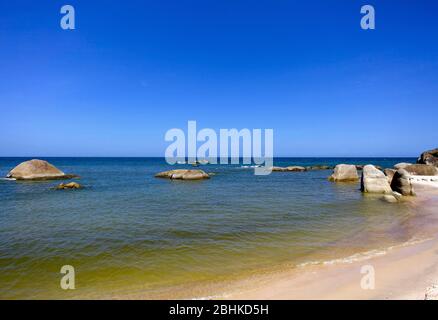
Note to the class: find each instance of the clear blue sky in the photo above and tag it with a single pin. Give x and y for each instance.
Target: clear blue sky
(134, 69)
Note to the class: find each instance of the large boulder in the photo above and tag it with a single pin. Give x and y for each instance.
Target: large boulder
(402, 184)
(402, 165)
(429, 157)
(374, 180)
(389, 173)
(183, 174)
(37, 170)
(421, 170)
(344, 172)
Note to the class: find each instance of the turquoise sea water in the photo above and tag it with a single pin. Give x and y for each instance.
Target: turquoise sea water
(130, 233)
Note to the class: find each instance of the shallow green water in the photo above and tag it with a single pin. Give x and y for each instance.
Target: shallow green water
(128, 232)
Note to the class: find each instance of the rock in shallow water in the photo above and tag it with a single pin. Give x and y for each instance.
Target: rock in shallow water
(37, 170)
(344, 172)
(70, 185)
(183, 174)
(389, 198)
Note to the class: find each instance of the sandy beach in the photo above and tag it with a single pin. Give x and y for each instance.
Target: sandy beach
(407, 271)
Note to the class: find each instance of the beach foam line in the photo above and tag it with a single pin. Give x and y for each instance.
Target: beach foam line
(361, 256)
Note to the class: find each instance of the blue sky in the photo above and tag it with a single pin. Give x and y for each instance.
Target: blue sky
(134, 69)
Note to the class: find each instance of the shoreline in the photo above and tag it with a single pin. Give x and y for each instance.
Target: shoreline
(405, 271)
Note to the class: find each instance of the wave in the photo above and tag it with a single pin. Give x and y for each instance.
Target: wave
(361, 256)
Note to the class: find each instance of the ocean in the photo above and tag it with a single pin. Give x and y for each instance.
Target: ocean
(129, 234)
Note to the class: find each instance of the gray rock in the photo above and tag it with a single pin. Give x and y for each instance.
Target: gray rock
(374, 181)
(401, 184)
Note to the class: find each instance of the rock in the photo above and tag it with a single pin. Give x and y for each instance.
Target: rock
(429, 157)
(37, 170)
(422, 170)
(290, 169)
(344, 172)
(361, 166)
(374, 181)
(401, 183)
(278, 169)
(295, 168)
(182, 174)
(70, 185)
(402, 165)
(397, 195)
(389, 198)
(318, 167)
(389, 173)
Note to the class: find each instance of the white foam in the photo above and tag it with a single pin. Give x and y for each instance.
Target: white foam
(361, 256)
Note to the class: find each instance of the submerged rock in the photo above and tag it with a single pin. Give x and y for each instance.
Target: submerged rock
(70, 185)
(389, 198)
(37, 170)
(429, 157)
(183, 174)
(344, 172)
(374, 181)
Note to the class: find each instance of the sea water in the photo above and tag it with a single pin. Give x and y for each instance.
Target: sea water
(129, 234)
